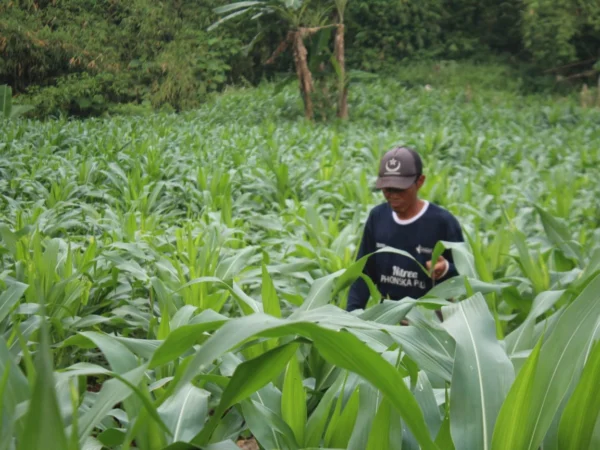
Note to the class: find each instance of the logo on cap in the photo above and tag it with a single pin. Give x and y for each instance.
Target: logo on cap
(392, 167)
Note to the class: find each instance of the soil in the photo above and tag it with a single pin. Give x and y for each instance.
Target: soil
(248, 444)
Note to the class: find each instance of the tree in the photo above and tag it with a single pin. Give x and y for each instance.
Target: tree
(300, 20)
(339, 56)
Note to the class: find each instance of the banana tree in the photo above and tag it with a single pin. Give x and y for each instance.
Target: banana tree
(302, 19)
(340, 6)
(8, 110)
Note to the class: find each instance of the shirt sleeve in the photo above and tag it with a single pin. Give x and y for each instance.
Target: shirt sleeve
(358, 295)
(453, 234)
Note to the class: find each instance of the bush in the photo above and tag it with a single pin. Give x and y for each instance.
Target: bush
(82, 57)
(561, 31)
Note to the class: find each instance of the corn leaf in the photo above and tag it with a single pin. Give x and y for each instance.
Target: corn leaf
(559, 235)
(379, 438)
(482, 373)
(523, 336)
(44, 426)
(582, 412)
(342, 423)
(10, 297)
(248, 378)
(342, 349)
(510, 431)
(185, 412)
(293, 401)
(560, 358)
(269, 295)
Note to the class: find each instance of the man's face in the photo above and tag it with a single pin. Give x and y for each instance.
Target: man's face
(403, 200)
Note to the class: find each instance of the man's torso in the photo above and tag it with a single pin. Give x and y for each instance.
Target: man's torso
(397, 276)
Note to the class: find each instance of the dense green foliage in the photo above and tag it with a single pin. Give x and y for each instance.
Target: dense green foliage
(383, 31)
(561, 31)
(190, 268)
(85, 57)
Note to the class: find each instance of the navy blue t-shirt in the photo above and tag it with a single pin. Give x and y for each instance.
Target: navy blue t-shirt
(397, 276)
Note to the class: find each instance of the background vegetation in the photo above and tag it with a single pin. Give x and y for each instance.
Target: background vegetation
(86, 57)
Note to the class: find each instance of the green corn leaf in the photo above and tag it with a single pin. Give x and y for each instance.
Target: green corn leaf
(379, 439)
(482, 373)
(561, 356)
(340, 427)
(320, 293)
(121, 360)
(247, 378)
(522, 337)
(248, 304)
(269, 428)
(110, 388)
(582, 412)
(91, 444)
(164, 328)
(317, 421)
(293, 401)
(444, 437)
(230, 267)
(531, 266)
(510, 431)
(463, 258)
(431, 349)
(269, 295)
(369, 400)
(426, 398)
(388, 312)
(457, 287)
(9, 238)
(44, 426)
(112, 392)
(10, 297)
(185, 412)
(479, 260)
(342, 349)
(181, 340)
(345, 350)
(6, 407)
(559, 235)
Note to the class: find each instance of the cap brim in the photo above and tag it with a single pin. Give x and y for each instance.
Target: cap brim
(395, 182)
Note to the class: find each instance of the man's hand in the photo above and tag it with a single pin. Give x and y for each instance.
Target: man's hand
(440, 268)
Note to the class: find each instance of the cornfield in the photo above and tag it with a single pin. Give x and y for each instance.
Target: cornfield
(179, 281)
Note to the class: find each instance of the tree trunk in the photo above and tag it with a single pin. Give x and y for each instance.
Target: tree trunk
(343, 85)
(281, 48)
(303, 72)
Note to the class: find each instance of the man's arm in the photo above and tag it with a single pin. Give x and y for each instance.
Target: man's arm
(359, 291)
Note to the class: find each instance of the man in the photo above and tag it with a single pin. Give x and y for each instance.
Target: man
(407, 223)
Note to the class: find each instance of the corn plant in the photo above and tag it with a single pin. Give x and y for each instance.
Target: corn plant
(179, 281)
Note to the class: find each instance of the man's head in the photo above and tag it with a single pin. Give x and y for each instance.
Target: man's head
(400, 178)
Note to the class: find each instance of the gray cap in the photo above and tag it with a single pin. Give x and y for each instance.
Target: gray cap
(399, 168)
